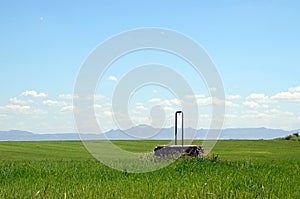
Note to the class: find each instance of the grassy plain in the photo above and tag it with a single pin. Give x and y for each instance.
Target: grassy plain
(244, 169)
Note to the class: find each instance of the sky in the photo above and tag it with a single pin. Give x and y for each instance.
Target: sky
(254, 45)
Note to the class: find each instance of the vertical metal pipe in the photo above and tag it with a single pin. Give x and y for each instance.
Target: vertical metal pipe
(182, 127)
(176, 128)
(178, 112)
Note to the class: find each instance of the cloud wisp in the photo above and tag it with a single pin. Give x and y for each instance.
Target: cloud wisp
(278, 110)
(33, 93)
(112, 78)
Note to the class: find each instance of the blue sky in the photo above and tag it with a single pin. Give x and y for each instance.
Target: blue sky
(254, 45)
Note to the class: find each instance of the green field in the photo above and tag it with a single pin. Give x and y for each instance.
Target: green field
(243, 169)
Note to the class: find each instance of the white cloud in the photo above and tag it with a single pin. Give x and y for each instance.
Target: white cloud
(257, 109)
(67, 108)
(112, 78)
(175, 101)
(3, 115)
(259, 116)
(33, 93)
(196, 96)
(233, 97)
(216, 101)
(168, 108)
(292, 95)
(265, 106)
(294, 89)
(251, 104)
(171, 102)
(278, 112)
(107, 106)
(260, 97)
(212, 89)
(154, 100)
(15, 108)
(98, 106)
(202, 100)
(231, 104)
(95, 97)
(140, 107)
(136, 112)
(18, 101)
(168, 102)
(204, 116)
(289, 96)
(20, 109)
(99, 97)
(230, 116)
(54, 103)
(68, 96)
(140, 120)
(272, 116)
(257, 96)
(107, 113)
(38, 111)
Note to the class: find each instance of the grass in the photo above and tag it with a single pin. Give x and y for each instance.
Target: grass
(257, 149)
(75, 150)
(48, 150)
(246, 169)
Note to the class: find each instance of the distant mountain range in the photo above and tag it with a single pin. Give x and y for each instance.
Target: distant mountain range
(148, 132)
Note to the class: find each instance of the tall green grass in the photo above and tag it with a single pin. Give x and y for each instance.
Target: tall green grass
(244, 169)
(75, 150)
(186, 178)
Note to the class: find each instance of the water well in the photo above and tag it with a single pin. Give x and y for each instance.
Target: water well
(169, 150)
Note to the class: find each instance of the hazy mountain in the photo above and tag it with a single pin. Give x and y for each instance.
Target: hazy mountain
(16, 135)
(296, 131)
(147, 132)
(253, 133)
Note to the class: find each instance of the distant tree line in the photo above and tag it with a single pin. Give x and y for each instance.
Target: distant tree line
(294, 136)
